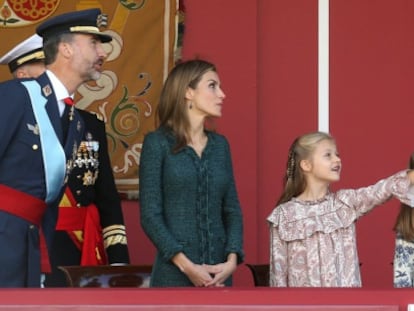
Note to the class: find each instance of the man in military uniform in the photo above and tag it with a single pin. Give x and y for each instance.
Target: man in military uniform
(26, 60)
(91, 201)
(90, 227)
(33, 164)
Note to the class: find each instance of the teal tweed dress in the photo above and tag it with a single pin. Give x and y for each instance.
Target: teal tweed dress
(188, 204)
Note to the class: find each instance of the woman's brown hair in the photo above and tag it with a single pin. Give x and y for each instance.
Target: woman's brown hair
(172, 108)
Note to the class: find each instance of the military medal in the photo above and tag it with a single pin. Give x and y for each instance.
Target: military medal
(88, 178)
(71, 113)
(87, 157)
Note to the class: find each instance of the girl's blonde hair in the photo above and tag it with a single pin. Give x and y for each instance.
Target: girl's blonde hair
(404, 222)
(301, 149)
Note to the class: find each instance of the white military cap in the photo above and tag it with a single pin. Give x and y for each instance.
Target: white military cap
(30, 50)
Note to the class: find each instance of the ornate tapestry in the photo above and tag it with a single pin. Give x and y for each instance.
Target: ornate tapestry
(143, 51)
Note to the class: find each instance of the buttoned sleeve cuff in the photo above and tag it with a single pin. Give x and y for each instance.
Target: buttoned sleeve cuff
(118, 253)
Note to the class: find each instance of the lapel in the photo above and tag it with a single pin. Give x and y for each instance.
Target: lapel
(51, 105)
(76, 126)
(75, 134)
(73, 139)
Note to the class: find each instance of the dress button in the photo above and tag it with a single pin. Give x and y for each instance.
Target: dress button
(35, 147)
(31, 227)
(78, 192)
(78, 205)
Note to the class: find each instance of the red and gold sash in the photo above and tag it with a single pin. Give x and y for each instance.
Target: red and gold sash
(83, 226)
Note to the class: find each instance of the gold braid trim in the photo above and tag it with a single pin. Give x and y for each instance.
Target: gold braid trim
(117, 228)
(115, 234)
(84, 28)
(36, 55)
(115, 239)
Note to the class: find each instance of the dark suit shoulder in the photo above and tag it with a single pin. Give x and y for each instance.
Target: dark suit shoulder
(13, 91)
(12, 84)
(92, 121)
(91, 117)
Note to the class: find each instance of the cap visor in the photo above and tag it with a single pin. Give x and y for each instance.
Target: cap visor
(103, 37)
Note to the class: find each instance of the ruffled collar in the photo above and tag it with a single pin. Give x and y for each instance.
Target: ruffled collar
(298, 219)
(313, 202)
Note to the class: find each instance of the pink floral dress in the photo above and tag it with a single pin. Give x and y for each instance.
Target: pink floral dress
(313, 243)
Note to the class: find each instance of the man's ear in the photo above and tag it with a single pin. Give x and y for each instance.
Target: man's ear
(21, 73)
(66, 49)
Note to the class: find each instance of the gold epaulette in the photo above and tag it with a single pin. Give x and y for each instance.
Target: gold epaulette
(97, 115)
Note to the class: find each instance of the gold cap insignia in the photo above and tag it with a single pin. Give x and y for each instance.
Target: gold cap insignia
(102, 20)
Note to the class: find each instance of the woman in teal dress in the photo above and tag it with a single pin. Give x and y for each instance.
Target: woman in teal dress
(189, 204)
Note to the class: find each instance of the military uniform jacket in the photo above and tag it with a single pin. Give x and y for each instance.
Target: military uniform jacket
(91, 182)
(22, 168)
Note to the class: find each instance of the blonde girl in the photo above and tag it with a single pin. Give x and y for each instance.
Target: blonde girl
(312, 229)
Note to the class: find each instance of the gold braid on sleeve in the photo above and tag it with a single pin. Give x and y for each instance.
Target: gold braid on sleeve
(115, 234)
